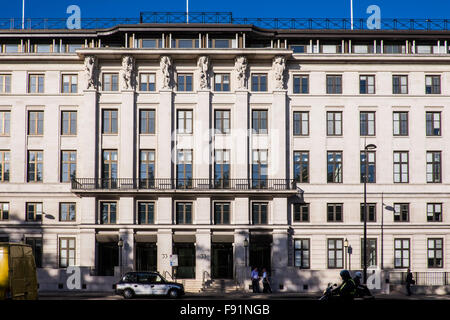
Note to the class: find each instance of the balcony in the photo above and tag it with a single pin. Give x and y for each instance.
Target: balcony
(164, 185)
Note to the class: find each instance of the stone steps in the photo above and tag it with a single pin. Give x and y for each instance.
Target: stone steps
(220, 286)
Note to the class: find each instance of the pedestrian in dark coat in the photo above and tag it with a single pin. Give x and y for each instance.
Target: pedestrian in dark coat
(409, 281)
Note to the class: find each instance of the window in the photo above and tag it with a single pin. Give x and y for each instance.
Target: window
(146, 212)
(334, 84)
(401, 253)
(151, 43)
(394, 48)
(110, 82)
(367, 123)
(434, 212)
(36, 83)
(334, 166)
(5, 123)
(433, 120)
(259, 169)
(69, 83)
(184, 82)
(334, 123)
(301, 253)
(335, 253)
(109, 169)
(371, 212)
(401, 212)
(109, 122)
(299, 48)
(222, 43)
(184, 121)
(222, 168)
(4, 210)
(335, 212)
(301, 166)
(185, 43)
(34, 211)
(184, 168)
(301, 212)
(371, 252)
(259, 82)
(147, 121)
(367, 84)
(331, 48)
(435, 253)
(259, 213)
(222, 82)
(147, 82)
(401, 167)
(67, 211)
(66, 252)
(36, 246)
(5, 83)
(36, 123)
(72, 47)
(221, 213)
(69, 123)
(147, 169)
(433, 84)
(301, 84)
(400, 123)
(184, 213)
(362, 48)
(108, 211)
(434, 167)
(222, 121)
(4, 165)
(371, 166)
(399, 84)
(68, 165)
(301, 123)
(35, 166)
(259, 121)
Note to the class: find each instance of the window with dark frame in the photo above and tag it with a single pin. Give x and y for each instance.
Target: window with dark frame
(184, 213)
(301, 84)
(68, 123)
(147, 121)
(371, 245)
(367, 84)
(184, 168)
(221, 168)
(69, 83)
(401, 253)
(335, 212)
(184, 82)
(435, 255)
(221, 213)
(146, 213)
(184, 121)
(222, 121)
(34, 211)
(367, 123)
(259, 121)
(301, 123)
(35, 169)
(400, 84)
(147, 169)
(334, 166)
(108, 212)
(67, 211)
(110, 121)
(434, 212)
(4, 211)
(401, 166)
(259, 168)
(4, 165)
(301, 212)
(109, 166)
(334, 123)
(110, 82)
(66, 252)
(147, 82)
(36, 247)
(35, 123)
(434, 164)
(35, 83)
(68, 165)
(222, 82)
(371, 212)
(371, 166)
(401, 212)
(400, 125)
(433, 122)
(334, 84)
(259, 213)
(259, 82)
(335, 253)
(302, 253)
(5, 122)
(301, 166)
(433, 84)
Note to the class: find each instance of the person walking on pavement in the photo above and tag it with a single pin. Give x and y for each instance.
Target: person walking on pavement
(266, 283)
(255, 280)
(409, 281)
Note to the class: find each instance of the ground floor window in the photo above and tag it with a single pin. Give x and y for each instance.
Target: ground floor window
(36, 245)
(335, 253)
(371, 252)
(301, 253)
(66, 252)
(435, 253)
(401, 255)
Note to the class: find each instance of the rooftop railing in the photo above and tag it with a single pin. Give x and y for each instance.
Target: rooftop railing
(227, 18)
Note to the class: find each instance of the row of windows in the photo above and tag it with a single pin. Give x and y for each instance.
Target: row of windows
(147, 82)
(336, 253)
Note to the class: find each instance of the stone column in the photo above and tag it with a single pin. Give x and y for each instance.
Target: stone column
(164, 210)
(203, 254)
(125, 214)
(127, 136)
(18, 149)
(241, 211)
(164, 163)
(241, 254)
(87, 248)
(279, 257)
(279, 211)
(127, 237)
(88, 210)
(203, 211)
(278, 132)
(164, 250)
(240, 118)
(202, 135)
(87, 156)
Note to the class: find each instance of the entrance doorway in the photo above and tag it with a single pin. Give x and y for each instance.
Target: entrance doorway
(222, 261)
(261, 252)
(146, 256)
(186, 260)
(108, 258)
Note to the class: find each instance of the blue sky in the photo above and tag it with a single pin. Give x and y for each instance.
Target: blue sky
(240, 8)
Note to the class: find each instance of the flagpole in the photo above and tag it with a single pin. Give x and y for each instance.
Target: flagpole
(23, 14)
(187, 11)
(351, 13)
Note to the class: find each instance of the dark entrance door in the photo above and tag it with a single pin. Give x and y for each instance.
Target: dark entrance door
(186, 260)
(108, 258)
(222, 261)
(146, 256)
(260, 252)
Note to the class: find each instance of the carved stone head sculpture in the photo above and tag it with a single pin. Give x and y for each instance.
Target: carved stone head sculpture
(241, 66)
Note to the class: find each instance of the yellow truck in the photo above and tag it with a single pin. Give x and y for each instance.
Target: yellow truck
(18, 279)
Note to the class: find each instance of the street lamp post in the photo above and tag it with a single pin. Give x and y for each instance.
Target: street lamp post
(366, 174)
(120, 245)
(346, 252)
(245, 248)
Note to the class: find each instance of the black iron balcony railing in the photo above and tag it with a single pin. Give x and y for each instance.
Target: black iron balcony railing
(181, 184)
